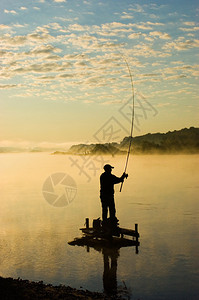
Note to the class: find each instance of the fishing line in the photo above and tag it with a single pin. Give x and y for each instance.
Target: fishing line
(132, 120)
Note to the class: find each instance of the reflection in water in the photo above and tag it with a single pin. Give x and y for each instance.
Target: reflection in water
(110, 257)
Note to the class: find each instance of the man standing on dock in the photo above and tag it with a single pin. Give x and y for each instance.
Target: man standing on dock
(107, 181)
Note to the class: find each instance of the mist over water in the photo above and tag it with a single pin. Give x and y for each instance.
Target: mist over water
(161, 195)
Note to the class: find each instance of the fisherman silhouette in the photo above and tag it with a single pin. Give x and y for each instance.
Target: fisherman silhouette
(107, 181)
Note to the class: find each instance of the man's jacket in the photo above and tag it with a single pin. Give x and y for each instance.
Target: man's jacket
(107, 181)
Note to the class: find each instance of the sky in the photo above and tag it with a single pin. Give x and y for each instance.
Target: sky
(65, 77)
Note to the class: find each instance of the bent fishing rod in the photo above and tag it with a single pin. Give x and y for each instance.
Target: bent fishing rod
(132, 121)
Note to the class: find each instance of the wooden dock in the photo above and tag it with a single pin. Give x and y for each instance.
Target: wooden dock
(111, 236)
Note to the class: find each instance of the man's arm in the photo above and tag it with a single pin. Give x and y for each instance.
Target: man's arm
(119, 179)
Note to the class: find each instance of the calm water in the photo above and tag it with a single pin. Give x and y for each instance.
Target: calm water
(161, 195)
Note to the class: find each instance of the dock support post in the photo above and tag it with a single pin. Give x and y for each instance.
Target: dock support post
(87, 222)
(136, 231)
(137, 235)
(136, 228)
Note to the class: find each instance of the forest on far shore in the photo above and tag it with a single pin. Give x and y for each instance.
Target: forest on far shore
(178, 141)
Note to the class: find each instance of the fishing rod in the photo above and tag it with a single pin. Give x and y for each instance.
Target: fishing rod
(132, 121)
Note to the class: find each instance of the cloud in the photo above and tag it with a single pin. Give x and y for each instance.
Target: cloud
(66, 19)
(181, 44)
(66, 75)
(111, 30)
(112, 102)
(161, 35)
(109, 26)
(16, 40)
(87, 3)
(10, 12)
(142, 26)
(148, 38)
(39, 37)
(59, 1)
(126, 16)
(88, 101)
(189, 29)
(48, 78)
(155, 24)
(19, 25)
(8, 86)
(3, 27)
(180, 71)
(155, 6)
(23, 8)
(153, 16)
(43, 29)
(91, 43)
(53, 57)
(149, 75)
(117, 29)
(134, 35)
(74, 56)
(174, 77)
(55, 26)
(189, 23)
(39, 68)
(48, 65)
(147, 51)
(118, 25)
(105, 60)
(77, 27)
(137, 8)
(5, 53)
(43, 50)
(29, 40)
(108, 33)
(80, 64)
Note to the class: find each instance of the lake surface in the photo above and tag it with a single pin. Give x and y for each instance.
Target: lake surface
(161, 195)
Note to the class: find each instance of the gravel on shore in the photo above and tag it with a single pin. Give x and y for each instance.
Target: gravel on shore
(15, 289)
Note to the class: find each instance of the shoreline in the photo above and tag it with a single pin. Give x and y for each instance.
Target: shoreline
(11, 289)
